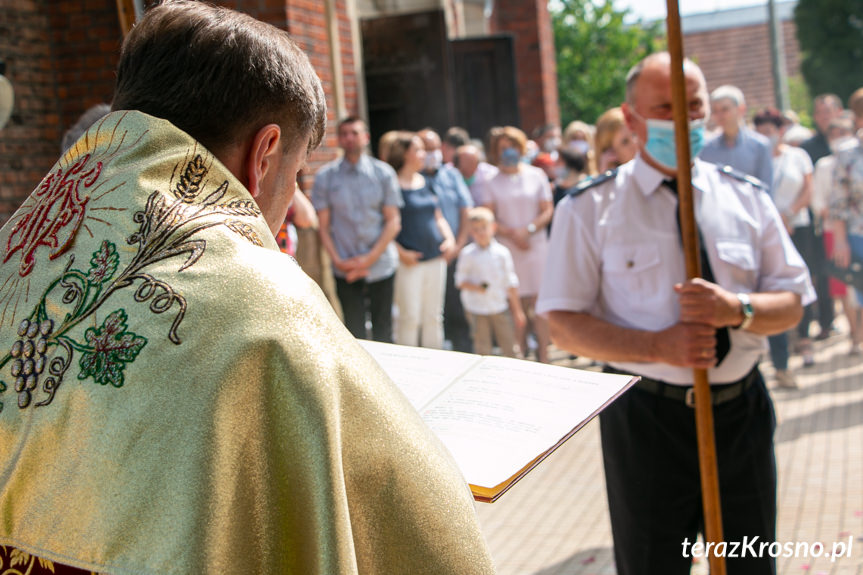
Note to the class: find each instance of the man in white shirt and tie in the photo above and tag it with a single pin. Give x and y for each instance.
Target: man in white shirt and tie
(615, 290)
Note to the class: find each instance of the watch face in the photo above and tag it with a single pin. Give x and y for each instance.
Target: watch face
(746, 308)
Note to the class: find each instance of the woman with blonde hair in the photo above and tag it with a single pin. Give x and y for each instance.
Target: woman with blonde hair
(425, 238)
(520, 197)
(614, 142)
(384, 143)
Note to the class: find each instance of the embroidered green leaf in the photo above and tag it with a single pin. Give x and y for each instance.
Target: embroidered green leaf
(111, 347)
(104, 263)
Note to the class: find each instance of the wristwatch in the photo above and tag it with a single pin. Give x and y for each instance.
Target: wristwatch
(747, 309)
(531, 228)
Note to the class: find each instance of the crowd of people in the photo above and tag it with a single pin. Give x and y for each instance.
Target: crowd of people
(211, 395)
(396, 225)
(422, 206)
(472, 230)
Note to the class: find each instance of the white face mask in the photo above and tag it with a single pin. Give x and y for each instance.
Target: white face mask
(433, 160)
(840, 144)
(579, 146)
(551, 145)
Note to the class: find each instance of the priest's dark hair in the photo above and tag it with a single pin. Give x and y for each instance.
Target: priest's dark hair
(219, 75)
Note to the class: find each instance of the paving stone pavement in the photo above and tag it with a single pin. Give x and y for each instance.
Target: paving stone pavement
(555, 521)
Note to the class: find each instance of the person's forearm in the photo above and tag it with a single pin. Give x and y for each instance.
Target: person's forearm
(774, 312)
(804, 198)
(470, 286)
(839, 230)
(514, 301)
(681, 344)
(544, 218)
(391, 229)
(585, 335)
(444, 228)
(304, 212)
(461, 240)
(326, 238)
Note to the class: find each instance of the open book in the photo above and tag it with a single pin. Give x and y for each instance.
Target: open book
(499, 417)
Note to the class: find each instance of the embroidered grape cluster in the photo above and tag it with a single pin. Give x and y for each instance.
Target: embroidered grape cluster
(29, 357)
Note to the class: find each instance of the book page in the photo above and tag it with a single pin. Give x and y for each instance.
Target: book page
(420, 373)
(497, 416)
(506, 412)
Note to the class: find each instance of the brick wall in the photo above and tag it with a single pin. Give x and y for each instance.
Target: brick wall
(60, 58)
(29, 142)
(536, 68)
(61, 55)
(741, 57)
(307, 24)
(85, 41)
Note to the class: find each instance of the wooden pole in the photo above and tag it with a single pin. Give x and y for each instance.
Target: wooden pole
(126, 14)
(703, 407)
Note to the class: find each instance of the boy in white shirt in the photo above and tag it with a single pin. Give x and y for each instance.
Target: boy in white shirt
(486, 277)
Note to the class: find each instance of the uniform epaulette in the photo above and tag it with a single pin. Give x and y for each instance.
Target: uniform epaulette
(585, 185)
(742, 177)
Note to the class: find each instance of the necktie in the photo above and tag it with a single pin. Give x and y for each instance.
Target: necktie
(723, 339)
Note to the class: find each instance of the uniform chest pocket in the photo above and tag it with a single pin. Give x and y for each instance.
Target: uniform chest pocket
(737, 269)
(736, 253)
(637, 284)
(630, 260)
(633, 284)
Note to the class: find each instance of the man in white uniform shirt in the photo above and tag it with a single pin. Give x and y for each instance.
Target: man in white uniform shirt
(615, 290)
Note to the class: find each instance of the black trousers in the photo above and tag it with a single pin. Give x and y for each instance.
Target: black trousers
(376, 298)
(455, 325)
(654, 492)
(821, 279)
(811, 248)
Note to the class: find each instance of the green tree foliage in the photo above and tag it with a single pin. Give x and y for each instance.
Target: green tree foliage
(830, 33)
(595, 49)
(801, 99)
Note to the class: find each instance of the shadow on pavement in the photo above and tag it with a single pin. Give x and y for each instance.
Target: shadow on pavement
(827, 419)
(594, 561)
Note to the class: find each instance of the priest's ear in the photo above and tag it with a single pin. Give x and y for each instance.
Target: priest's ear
(262, 157)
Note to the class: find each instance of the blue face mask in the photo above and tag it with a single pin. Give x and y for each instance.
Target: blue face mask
(510, 157)
(660, 141)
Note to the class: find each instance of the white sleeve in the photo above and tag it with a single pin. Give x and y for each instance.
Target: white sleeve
(572, 275)
(462, 267)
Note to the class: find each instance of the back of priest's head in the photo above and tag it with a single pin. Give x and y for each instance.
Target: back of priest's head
(218, 75)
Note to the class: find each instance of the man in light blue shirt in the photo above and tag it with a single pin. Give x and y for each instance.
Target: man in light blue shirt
(737, 146)
(357, 199)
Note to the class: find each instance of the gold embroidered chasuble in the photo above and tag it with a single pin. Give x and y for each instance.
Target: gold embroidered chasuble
(178, 397)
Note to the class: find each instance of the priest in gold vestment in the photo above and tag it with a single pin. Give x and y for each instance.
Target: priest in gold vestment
(176, 396)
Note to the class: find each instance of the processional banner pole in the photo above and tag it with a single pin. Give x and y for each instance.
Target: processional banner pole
(703, 407)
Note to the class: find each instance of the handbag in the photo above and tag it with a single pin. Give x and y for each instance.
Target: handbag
(852, 275)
